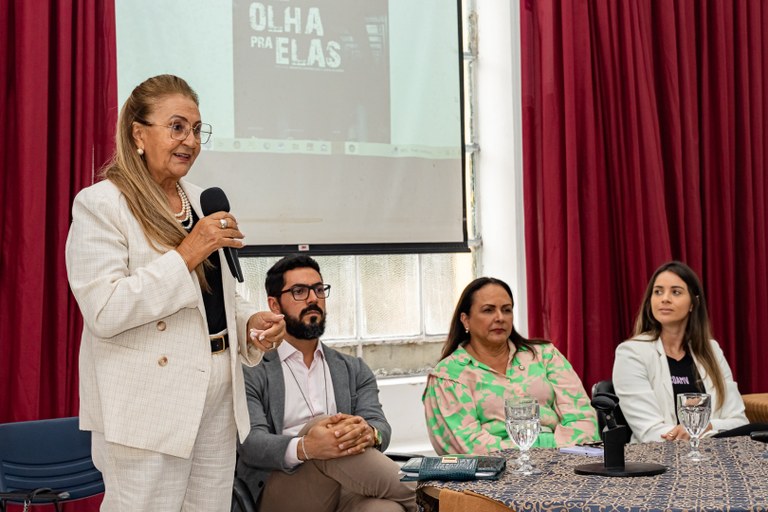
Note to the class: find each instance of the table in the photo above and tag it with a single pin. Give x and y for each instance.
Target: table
(734, 479)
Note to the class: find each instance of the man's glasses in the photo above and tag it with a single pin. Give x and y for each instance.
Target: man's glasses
(301, 291)
(180, 129)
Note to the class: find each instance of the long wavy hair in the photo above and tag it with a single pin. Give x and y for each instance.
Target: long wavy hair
(697, 334)
(129, 172)
(458, 335)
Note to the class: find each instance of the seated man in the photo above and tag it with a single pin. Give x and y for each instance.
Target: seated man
(317, 427)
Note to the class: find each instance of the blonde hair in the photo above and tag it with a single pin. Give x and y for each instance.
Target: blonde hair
(128, 170)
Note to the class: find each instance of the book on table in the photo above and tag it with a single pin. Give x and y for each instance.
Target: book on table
(454, 467)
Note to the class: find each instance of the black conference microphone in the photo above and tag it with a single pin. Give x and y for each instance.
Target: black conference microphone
(214, 200)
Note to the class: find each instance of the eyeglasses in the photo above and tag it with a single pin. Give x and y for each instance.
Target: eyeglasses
(301, 291)
(180, 129)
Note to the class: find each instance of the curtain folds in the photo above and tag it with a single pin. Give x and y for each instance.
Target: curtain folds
(58, 110)
(644, 132)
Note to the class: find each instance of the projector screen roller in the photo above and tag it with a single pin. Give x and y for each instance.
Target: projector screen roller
(336, 124)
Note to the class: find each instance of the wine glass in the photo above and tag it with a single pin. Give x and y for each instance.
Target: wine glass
(693, 411)
(523, 426)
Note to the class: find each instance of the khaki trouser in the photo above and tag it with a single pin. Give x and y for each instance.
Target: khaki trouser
(365, 482)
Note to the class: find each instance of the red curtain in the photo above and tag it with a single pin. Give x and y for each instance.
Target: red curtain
(58, 111)
(645, 128)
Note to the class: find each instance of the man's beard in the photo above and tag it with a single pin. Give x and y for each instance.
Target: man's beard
(299, 330)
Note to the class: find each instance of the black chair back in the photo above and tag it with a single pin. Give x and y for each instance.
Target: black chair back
(242, 499)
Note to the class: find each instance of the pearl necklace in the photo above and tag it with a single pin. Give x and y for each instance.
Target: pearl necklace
(184, 217)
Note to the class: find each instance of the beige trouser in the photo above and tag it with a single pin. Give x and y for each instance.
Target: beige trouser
(143, 480)
(365, 482)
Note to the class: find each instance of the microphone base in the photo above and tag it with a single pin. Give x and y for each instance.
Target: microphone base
(629, 469)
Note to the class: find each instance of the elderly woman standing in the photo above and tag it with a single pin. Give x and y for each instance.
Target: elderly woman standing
(484, 361)
(161, 384)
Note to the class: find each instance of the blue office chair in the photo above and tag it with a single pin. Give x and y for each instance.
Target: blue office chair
(46, 462)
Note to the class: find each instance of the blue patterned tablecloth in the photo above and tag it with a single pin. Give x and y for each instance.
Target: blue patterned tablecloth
(734, 479)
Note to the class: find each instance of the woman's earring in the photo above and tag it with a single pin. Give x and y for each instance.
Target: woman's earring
(140, 152)
(466, 330)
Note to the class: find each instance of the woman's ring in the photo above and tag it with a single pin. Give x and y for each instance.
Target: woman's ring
(223, 223)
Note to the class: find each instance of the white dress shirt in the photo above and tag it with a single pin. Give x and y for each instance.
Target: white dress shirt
(308, 393)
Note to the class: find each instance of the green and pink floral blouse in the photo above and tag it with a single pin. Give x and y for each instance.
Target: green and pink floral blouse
(464, 401)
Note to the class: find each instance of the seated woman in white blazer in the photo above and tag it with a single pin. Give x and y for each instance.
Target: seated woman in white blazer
(672, 352)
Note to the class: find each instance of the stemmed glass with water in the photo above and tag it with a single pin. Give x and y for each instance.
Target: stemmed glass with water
(523, 426)
(693, 411)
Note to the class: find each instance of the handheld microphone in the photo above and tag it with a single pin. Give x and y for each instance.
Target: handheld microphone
(214, 200)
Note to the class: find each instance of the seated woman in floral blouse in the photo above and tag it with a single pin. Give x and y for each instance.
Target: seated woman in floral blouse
(484, 361)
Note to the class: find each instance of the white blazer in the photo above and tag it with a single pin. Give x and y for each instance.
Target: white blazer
(145, 355)
(643, 384)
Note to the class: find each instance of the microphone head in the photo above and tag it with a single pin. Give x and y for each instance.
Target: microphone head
(213, 200)
(605, 402)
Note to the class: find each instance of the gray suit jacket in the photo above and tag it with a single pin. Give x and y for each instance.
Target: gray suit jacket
(355, 390)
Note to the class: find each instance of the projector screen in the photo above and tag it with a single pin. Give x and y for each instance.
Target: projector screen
(337, 125)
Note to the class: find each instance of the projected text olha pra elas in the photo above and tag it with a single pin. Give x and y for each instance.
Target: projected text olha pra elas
(309, 50)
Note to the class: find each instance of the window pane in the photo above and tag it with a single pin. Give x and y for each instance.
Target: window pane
(389, 295)
(254, 272)
(339, 272)
(444, 276)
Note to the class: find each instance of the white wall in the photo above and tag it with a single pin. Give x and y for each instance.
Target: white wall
(500, 163)
(401, 400)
